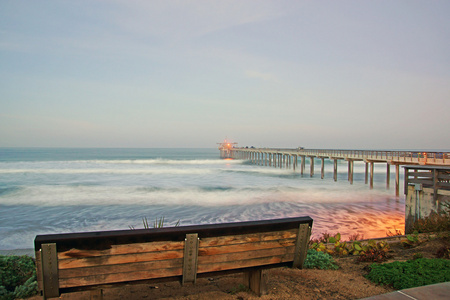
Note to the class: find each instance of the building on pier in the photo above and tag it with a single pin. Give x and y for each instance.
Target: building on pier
(226, 148)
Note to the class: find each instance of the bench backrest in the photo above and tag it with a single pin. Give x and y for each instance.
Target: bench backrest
(66, 262)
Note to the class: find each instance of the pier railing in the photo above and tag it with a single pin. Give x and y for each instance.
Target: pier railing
(428, 177)
(394, 157)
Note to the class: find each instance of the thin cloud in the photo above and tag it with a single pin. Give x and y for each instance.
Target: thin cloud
(261, 75)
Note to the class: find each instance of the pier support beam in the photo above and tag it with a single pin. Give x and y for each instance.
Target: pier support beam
(311, 166)
(397, 180)
(322, 167)
(302, 168)
(335, 170)
(371, 174)
(367, 172)
(350, 170)
(388, 175)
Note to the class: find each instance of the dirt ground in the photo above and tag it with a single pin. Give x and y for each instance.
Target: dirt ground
(348, 282)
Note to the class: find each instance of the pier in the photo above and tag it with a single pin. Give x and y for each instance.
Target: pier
(288, 158)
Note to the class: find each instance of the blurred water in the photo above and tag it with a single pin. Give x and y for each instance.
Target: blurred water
(73, 190)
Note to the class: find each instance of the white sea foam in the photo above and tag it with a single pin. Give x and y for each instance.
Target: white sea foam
(106, 171)
(209, 196)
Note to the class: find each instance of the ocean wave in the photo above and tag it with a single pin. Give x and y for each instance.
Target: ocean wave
(161, 161)
(76, 195)
(154, 161)
(106, 171)
(9, 190)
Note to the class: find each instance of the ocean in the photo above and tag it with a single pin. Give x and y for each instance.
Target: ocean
(52, 190)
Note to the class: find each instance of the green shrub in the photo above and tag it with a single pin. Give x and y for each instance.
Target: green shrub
(17, 277)
(319, 260)
(412, 273)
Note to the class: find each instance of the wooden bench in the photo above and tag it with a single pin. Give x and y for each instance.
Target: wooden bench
(95, 260)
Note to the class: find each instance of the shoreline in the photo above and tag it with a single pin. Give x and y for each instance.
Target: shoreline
(18, 252)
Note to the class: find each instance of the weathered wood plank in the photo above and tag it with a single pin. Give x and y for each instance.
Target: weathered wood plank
(50, 274)
(37, 255)
(259, 253)
(190, 259)
(255, 280)
(248, 238)
(123, 249)
(420, 173)
(421, 181)
(245, 247)
(444, 176)
(118, 259)
(119, 277)
(122, 268)
(244, 263)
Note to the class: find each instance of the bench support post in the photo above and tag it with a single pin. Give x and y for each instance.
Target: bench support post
(190, 258)
(301, 246)
(255, 281)
(97, 294)
(50, 278)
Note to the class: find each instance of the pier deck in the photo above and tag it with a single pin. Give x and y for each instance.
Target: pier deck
(278, 157)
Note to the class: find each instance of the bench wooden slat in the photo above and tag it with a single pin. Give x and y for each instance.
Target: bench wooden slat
(119, 277)
(123, 249)
(248, 238)
(123, 268)
(211, 259)
(245, 247)
(118, 259)
(264, 261)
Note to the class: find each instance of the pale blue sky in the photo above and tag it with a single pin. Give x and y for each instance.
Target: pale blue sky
(318, 74)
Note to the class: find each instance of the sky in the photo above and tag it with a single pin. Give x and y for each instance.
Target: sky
(316, 74)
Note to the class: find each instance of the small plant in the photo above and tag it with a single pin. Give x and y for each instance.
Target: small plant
(157, 224)
(356, 248)
(412, 273)
(412, 240)
(340, 248)
(417, 255)
(396, 232)
(355, 237)
(17, 277)
(324, 238)
(319, 260)
(373, 251)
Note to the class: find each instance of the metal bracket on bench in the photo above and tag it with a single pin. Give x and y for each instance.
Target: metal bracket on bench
(190, 258)
(301, 246)
(50, 278)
